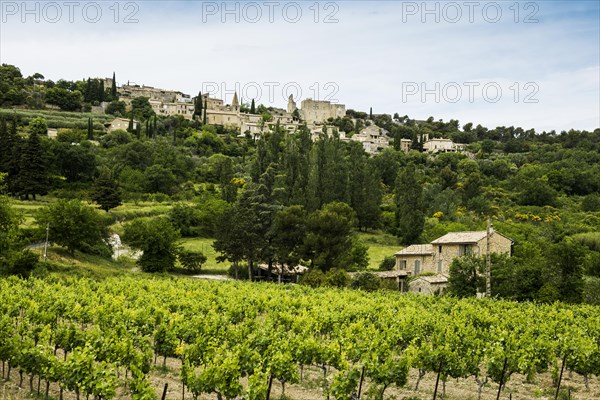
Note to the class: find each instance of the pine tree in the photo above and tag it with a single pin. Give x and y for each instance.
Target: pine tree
(410, 215)
(106, 191)
(113, 89)
(252, 107)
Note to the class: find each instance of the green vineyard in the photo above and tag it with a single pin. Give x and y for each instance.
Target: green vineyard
(237, 340)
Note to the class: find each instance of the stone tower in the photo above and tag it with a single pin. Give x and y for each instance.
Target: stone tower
(291, 104)
(235, 104)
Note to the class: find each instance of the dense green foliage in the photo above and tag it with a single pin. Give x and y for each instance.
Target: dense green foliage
(234, 339)
(13, 260)
(157, 238)
(268, 199)
(76, 226)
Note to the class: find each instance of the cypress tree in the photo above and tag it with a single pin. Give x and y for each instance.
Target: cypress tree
(89, 91)
(205, 110)
(130, 127)
(253, 107)
(154, 127)
(99, 89)
(371, 113)
(113, 89)
(410, 215)
(90, 132)
(148, 128)
(198, 106)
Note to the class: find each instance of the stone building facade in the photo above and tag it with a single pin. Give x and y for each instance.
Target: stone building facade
(317, 111)
(437, 256)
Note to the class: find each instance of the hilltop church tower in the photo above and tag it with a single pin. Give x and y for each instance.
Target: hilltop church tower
(235, 104)
(291, 105)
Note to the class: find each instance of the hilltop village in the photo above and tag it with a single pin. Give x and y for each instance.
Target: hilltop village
(318, 116)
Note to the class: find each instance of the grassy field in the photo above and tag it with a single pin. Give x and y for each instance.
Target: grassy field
(80, 265)
(204, 245)
(380, 246)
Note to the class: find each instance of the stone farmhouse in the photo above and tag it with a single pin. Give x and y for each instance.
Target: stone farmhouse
(437, 256)
(120, 124)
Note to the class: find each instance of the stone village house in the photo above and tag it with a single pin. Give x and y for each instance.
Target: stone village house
(436, 257)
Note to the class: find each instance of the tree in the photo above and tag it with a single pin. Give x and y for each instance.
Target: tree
(160, 180)
(289, 229)
(328, 241)
(198, 106)
(410, 215)
(90, 129)
(113, 88)
(130, 127)
(565, 267)
(76, 226)
(38, 126)
(116, 108)
(141, 108)
(158, 240)
(365, 191)
(106, 191)
(185, 218)
(9, 222)
(465, 276)
(65, 99)
(10, 148)
(192, 261)
(228, 240)
(32, 178)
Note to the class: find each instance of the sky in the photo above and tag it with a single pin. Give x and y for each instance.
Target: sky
(534, 64)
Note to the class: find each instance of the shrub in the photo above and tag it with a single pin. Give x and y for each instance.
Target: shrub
(192, 261)
(75, 225)
(185, 218)
(242, 272)
(21, 263)
(591, 291)
(313, 278)
(157, 238)
(367, 281)
(388, 263)
(337, 277)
